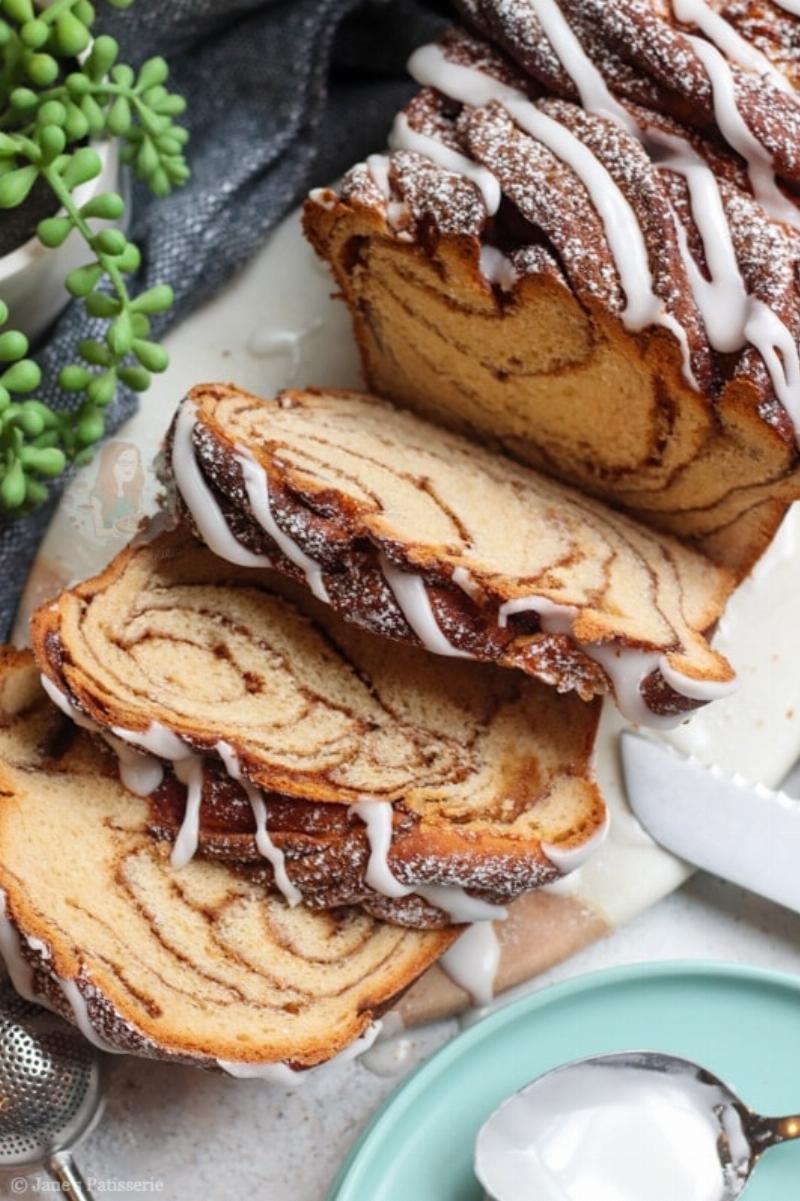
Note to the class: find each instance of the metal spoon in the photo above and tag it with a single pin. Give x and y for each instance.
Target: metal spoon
(508, 1165)
(51, 1092)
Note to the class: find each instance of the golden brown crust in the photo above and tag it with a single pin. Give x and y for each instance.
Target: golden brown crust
(195, 966)
(484, 765)
(544, 367)
(355, 483)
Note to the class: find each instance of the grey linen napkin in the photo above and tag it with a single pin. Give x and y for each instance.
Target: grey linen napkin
(283, 94)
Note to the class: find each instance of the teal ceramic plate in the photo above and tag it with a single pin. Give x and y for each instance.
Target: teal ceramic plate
(742, 1023)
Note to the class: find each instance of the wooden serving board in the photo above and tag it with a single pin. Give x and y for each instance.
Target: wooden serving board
(276, 325)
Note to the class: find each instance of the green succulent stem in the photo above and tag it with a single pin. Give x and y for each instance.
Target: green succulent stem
(79, 222)
(59, 91)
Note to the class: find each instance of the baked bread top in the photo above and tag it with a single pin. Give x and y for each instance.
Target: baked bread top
(420, 535)
(584, 247)
(176, 652)
(201, 966)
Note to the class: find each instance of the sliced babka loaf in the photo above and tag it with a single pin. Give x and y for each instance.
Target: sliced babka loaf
(200, 966)
(584, 247)
(418, 534)
(435, 772)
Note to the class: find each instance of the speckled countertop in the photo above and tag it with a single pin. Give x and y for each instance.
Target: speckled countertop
(185, 1134)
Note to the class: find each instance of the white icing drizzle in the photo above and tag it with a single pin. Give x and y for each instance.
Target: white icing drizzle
(397, 211)
(403, 137)
(555, 618)
(156, 740)
(626, 666)
(272, 1073)
(190, 773)
(459, 906)
(200, 500)
(696, 690)
(498, 269)
(570, 859)
(377, 817)
(22, 977)
(452, 900)
(738, 134)
(257, 489)
(468, 85)
(282, 1073)
(588, 79)
(412, 597)
(324, 197)
(464, 580)
(18, 967)
(388, 1058)
(726, 38)
(266, 847)
(140, 773)
(731, 316)
(282, 343)
(473, 960)
(778, 348)
(378, 168)
(80, 1011)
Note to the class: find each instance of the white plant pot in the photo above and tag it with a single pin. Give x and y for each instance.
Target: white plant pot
(32, 277)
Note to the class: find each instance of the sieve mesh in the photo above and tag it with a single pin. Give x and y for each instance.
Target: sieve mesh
(49, 1082)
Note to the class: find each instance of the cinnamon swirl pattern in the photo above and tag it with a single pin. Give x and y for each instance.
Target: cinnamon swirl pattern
(202, 966)
(584, 246)
(421, 536)
(264, 724)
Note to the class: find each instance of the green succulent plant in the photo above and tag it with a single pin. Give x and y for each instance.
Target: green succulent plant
(60, 88)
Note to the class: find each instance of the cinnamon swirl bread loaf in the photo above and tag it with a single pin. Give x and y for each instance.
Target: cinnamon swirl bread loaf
(584, 247)
(372, 772)
(417, 534)
(201, 966)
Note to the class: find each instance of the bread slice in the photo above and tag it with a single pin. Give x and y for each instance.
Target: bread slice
(484, 774)
(488, 289)
(201, 966)
(418, 534)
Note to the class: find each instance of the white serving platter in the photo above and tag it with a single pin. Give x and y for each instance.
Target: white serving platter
(277, 325)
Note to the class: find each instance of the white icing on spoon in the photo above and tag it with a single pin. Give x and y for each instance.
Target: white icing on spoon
(609, 1130)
